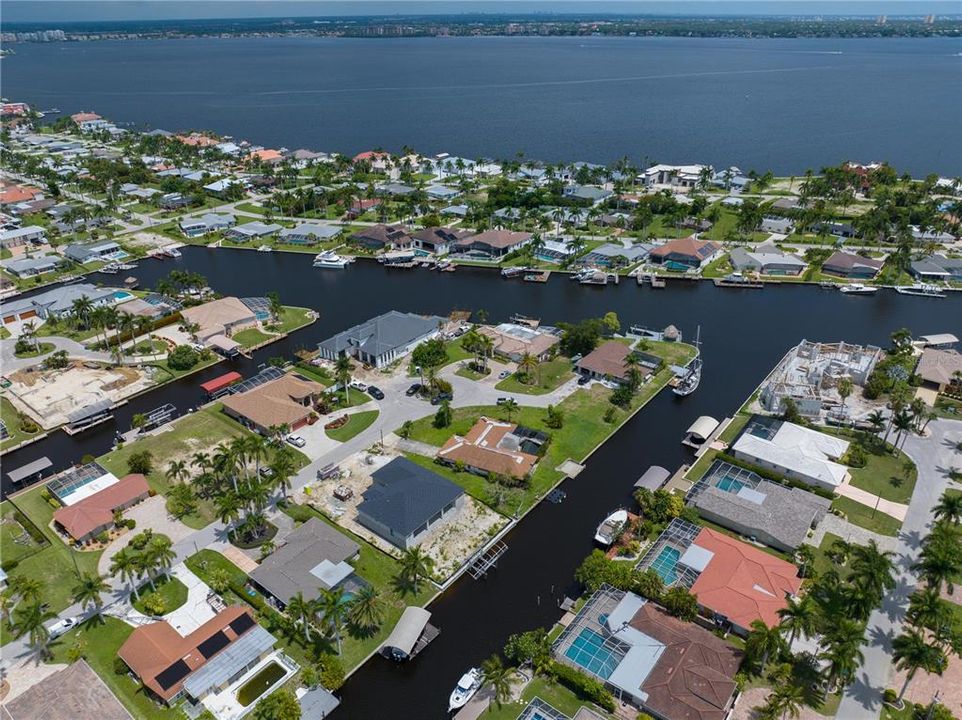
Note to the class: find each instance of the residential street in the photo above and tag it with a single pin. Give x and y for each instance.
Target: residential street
(935, 456)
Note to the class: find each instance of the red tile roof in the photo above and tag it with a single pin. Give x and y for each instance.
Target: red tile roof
(97, 510)
(481, 448)
(742, 582)
(12, 194)
(607, 359)
(84, 117)
(688, 246)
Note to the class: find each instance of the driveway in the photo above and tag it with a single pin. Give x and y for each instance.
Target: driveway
(11, 363)
(151, 513)
(934, 456)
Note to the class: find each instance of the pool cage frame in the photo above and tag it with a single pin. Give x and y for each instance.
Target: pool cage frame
(604, 600)
(75, 478)
(679, 534)
(722, 468)
(538, 708)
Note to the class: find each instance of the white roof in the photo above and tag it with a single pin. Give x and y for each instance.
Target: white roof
(696, 557)
(90, 488)
(331, 574)
(408, 629)
(939, 339)
(805, 452)
(703, 427)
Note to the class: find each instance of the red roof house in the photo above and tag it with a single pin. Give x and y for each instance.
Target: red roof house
(94, 514)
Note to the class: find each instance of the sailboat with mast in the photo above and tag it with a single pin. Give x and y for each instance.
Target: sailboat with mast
(689, 382)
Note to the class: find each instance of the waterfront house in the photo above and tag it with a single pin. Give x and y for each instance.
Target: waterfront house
(406, 501)
(609, 361)
(937, 267)
(615, 255)
(849, 265)
(252, 231)
(779, 225)
(223, 316)
(265, 157)
(766, 260)
(287, 400)
(437, 240)
(309, 234)
(383, 339)
(313, 558)
(56, 302)
(220, 188)
(494, 447)
(441, 192)
(103, 251)
(794, 451)
(175, 667)
(75, 691)
(777, 515)
(940, 369)
(512, 341)
(663, 666)
(684, 176)
(555, 251)
(89, 121)
(382, 237)
(587, 194)
(378, 161)
(23, 236)
(94, 514)
(684, 254)
(206, 224)
(32, 266)
(491, 244)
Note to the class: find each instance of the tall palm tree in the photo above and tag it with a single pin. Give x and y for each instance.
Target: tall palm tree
(228, 507)
(88, 591)
(764, 642)
(177, 471)
(283, 469)
(949, 508)
(872, 569)
(903, 423)
(510, 406)
(342, 373)
(527, 365)
(786, 701)
(926, 610)
(162, 554)
(798, 617)
(498, 676)
(366, 609)
(25, 589)
(416, 566)
(940, 561)
(29, 620)
(843, 657)
(124, 564)
(912, 653)
(333, 609)
(302, 609)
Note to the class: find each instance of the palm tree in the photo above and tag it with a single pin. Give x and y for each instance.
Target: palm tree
(125, 564)
(798, 617)
(527, 364)
(763, 642)
(25, 589)
(872, 570)
(88, 590)
(177, 471)
(303, 610)
(415, 566)
(876, 419)
(162, 554)
(903, 423)
(510, 406)
(366, 610)
(949, 508)
(333, 608)
(29, 620)
(912, 653)
(283, 469)
(844, 654)
(926, 609)
(786, 701)
(342, 373)
(498, 676)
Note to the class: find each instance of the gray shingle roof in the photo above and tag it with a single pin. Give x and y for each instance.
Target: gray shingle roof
(404, 496)
(390, 331)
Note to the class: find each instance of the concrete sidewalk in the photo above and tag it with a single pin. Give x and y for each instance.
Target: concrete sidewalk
(893, 509)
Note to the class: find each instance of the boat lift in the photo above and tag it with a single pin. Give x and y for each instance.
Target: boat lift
(487, 560)
(160, 415)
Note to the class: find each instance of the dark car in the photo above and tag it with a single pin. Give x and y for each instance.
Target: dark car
(584, 380)
(440, 398)
(413, 390)
(375, 392)
(502, 400)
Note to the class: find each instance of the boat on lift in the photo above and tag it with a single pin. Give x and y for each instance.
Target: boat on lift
(611, 527)
(690, 381)
(467, 686)
(330, 259)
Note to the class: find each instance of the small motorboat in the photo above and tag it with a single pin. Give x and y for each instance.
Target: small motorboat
(467, 686)
(265, 248)
(857, 289)
(611, 527)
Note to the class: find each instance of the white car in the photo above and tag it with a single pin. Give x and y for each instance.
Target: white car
(61, 627)
(197, 346)
(296, 441)
(357, 385)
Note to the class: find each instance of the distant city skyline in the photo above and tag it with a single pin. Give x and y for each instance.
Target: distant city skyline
(72, 11)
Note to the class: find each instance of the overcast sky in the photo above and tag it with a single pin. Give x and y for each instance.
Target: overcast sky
(79, 10)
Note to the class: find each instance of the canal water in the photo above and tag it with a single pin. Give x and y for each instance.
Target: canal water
(743, 332)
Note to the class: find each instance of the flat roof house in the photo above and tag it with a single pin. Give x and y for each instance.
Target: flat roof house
(766, 260)
(383, 339)
(687, 176)
(94, 514)
(308, 234)
(406, 501)
(314, 557)
(22, 236)
(437, 240)
(252, 231)
(610, 255)
(31, 266)
(493, 446)
(740, 500)
(849, 265)
(288, 400)
(74, 692)
(492, 244)
(174, 667)
(98, 251)
(938, 368)
(661, 665)
(796, 452)
(684, 254)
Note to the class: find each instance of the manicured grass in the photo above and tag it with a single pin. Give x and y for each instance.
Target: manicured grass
(251, 337)
(558, 696)
(673, 353)
(55, 565)
(502, 500)
(198, 432)
(948, 408)
(862, 515)
(171, 590)
(356, 424)
(15, 542)
(822, 563)
(251, 208)
(352, 398)
(467, 372)
(314, 373)
(101, 643)
(291, 319)
(41, 349)
(546, 377)
(172, 374)
(889, 476)
(11, 419)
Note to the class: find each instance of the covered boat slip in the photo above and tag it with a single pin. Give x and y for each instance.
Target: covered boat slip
(87, 417)
(410, 636)
(30, 470)
(220, 385)
(654, 478)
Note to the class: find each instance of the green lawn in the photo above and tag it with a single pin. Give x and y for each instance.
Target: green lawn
(356, 424)
(467, 372)
(352, 398)
(291, 319)
(101, 643)
(15, 542)
(822, 562)
(948, 407)
(867, 517)
(171, 590)
(558, 696)
(548, 376)
(502, 500)
(314, 373)
(197, 432)
(251, 337)
(11, 419)
(41, 349)
(889, 476)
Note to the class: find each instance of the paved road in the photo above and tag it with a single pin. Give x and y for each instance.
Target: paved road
(934, 456)
(11, 363)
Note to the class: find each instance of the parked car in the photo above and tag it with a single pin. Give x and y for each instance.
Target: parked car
(296, 440)
(197, 346)
(375, 392)
(504, 374)
(441, 397)
(357, 385)
(61, 627)
(413, 390)
(584, 380)
(502, 400)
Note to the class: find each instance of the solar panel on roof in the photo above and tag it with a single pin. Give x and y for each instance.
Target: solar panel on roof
(216, 642)
(173, 675)
(242, 624)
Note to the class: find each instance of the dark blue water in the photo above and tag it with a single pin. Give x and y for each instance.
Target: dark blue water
(784, 105)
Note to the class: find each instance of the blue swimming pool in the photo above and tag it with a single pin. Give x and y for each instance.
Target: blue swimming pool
(665, 564)
(121, 295)
(730, 484)
(588, 651)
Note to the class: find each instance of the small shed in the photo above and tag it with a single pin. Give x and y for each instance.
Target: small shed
(654, 478)
(410, 635)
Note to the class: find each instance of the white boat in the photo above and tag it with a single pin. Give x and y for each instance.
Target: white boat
(857, 289)
(330, 259)
(172, 252)
(610, 528)
(921, 289)
(467, 686)
(265, 248)
(689, 383)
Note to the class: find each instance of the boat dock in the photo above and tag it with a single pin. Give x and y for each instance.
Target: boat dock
(538, 277)
(487, 560)
(656, 282)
